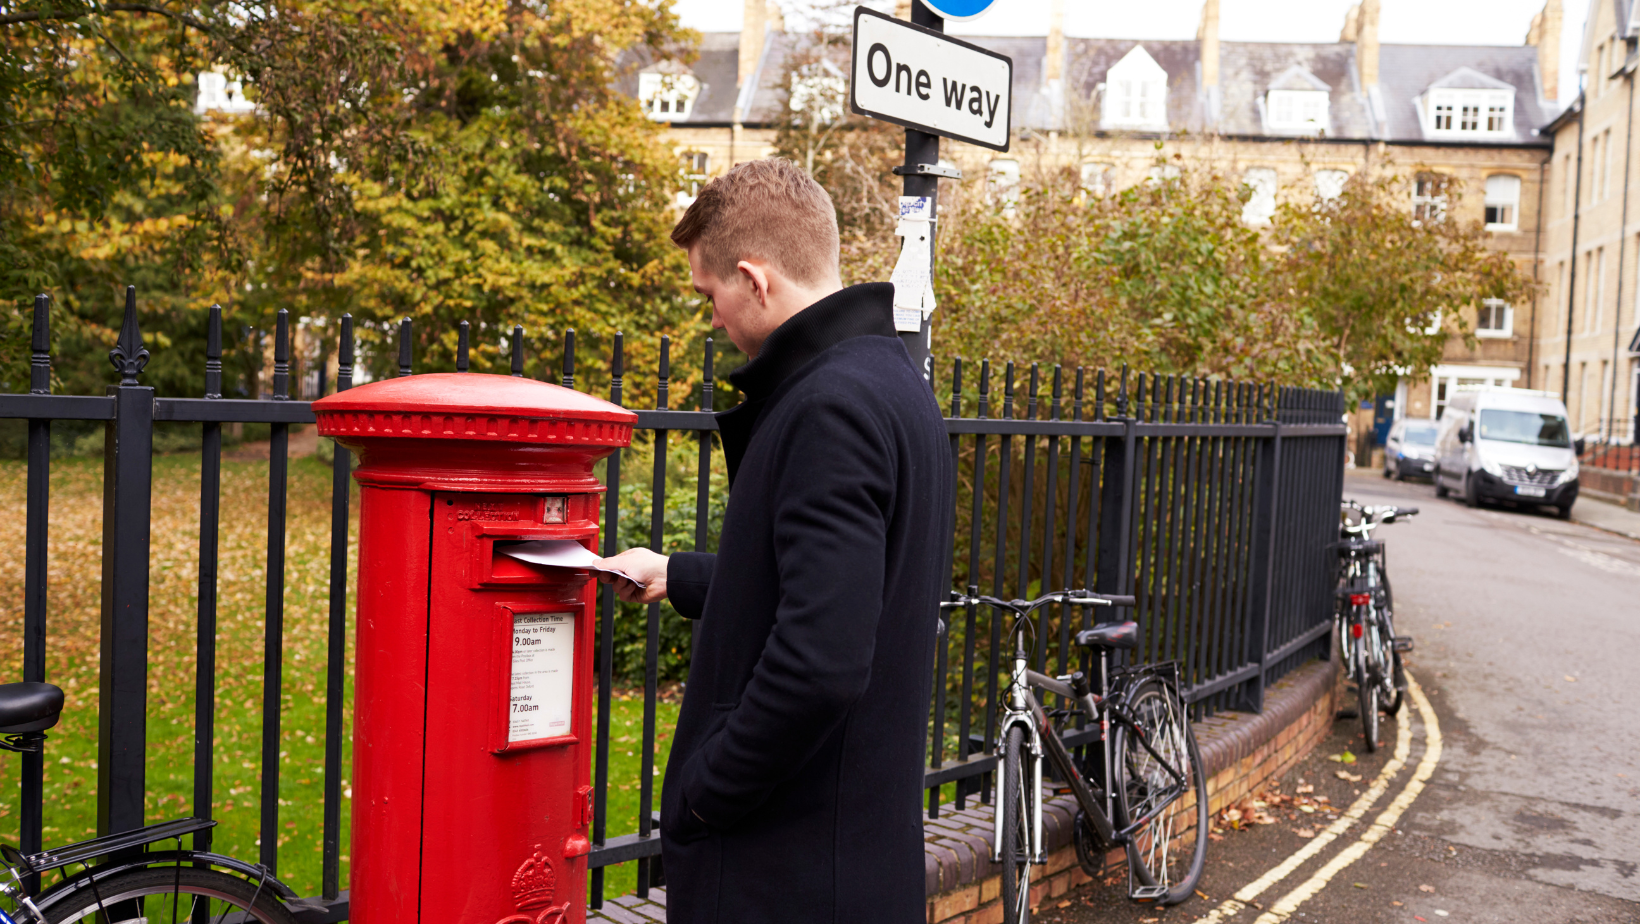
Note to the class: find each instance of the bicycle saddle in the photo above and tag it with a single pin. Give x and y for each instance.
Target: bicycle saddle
(29, 707)
(1110, 635)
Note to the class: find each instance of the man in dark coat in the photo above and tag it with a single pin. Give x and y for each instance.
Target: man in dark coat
(794, 787)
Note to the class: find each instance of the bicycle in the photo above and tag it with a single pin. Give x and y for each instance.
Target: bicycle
(1364, 617)
(120, 878)
(1152, 761)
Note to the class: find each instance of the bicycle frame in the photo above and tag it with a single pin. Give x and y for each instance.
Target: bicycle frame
(1022, 710)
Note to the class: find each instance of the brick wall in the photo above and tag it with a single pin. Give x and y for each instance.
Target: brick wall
(1240, 753)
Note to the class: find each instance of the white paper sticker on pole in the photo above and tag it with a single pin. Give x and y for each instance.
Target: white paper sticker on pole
(543, 676)
(913, 274)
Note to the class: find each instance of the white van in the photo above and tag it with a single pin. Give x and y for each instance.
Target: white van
(1507, 444)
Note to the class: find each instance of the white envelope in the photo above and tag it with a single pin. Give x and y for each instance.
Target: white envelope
(559, 553)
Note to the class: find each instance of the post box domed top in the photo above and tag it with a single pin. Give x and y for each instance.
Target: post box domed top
(473, 407)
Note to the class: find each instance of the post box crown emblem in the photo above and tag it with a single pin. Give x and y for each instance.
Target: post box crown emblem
(534, 883)
(473, 407)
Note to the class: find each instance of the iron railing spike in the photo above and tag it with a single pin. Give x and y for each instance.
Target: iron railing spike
(404, 347)
(128, 355)
(39, 377)
(281, 356)
(463, 360)
(213, 353)
(568, 380)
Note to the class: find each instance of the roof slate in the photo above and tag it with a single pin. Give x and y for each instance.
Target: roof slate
(1246, 71)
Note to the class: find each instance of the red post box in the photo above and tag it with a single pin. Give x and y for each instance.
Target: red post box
(474, 671)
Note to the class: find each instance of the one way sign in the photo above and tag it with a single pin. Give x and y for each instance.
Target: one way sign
(925, 80)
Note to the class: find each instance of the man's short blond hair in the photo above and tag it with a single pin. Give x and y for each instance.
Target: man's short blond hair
(767, 210)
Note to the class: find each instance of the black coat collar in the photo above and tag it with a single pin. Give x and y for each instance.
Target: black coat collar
(857, 311)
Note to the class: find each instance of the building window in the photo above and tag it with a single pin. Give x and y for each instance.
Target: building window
(1471, 113)
(694, 165)
(1097, 179)
(1297, 110)
(819, 92)
(1502, 202)
(1162, 173)
(1329, 184)
(1429, 197)
(216, 92)
(1261, 205)
(667, 97)
(1494, 319)
(1135, 91)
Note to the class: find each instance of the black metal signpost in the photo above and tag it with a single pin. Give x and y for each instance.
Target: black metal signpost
(913, 75)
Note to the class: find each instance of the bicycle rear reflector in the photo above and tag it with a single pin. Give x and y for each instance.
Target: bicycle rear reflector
(1355, 630)
(1360, 599)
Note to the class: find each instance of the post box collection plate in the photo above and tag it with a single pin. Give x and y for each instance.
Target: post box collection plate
(543, 673)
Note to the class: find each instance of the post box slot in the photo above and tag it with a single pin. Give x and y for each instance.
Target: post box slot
(492, 567)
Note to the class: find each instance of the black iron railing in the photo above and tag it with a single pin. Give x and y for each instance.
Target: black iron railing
(1211, 501)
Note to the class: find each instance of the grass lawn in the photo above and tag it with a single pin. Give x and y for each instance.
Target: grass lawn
(72, 661)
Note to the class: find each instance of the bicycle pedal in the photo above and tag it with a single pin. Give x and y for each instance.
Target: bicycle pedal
(1151, 893)
(1403, 643)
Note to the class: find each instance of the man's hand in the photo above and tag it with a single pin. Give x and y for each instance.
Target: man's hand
(644, 565)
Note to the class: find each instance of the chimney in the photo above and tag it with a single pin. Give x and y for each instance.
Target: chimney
(1545, 34)
(1366, 44)
(751, 39)
(1053, 64)
(1208, 35)
(902, 9)
(1352, 23)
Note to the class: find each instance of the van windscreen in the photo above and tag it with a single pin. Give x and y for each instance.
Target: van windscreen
(1525, 427)
(1420, 434)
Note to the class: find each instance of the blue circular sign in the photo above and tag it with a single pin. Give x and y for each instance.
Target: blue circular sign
(959, 9)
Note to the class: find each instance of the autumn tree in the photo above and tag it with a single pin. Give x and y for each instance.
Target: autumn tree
(445, 162)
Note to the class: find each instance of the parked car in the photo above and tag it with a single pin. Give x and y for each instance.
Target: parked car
(1507, 444)
(1409, 449)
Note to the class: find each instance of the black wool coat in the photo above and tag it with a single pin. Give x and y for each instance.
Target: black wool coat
(793, 790)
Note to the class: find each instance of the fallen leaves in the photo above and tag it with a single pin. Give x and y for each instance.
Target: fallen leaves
(1347, 757)
(1305, 833)
(1426, 888)
(1348, 776)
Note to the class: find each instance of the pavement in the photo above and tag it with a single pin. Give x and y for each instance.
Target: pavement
(1609, 517)
(1510, 793)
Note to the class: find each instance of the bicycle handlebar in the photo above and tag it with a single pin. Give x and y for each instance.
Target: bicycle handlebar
(1023, 607)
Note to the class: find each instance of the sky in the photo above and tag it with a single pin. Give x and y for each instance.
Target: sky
(1421, 22)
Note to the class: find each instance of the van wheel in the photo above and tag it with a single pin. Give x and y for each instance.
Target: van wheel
(1470, 496)
(1440, 489)
(1563, 513)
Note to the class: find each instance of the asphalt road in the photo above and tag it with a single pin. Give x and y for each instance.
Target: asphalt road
(1528, 635)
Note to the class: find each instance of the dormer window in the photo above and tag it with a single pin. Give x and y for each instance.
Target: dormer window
(1296, 103)
(667, 97)
(1135, 93)
(1298, 110)
(1468, 104)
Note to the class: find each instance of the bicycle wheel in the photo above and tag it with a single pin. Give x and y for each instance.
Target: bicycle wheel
(1168, 848)
(1397, 686)
(168, 895)
(1366, 691)
(1015, 806)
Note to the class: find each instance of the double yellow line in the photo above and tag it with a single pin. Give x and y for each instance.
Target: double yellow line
(1284, 907)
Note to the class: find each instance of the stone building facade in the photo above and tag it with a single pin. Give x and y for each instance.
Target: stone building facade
(1288, 119)
(1589, 335)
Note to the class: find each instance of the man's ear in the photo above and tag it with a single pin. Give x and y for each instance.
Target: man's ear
(758, 278)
